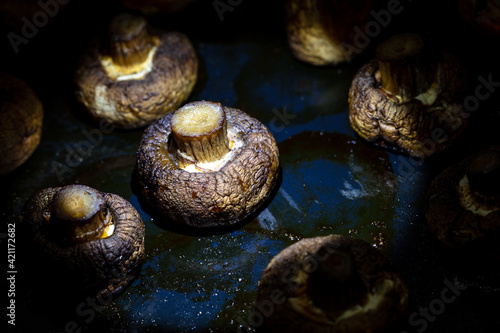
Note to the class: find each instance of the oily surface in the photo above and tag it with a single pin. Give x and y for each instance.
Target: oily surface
(332, 181)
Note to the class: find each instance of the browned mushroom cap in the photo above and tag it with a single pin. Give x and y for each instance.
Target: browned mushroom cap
(483, 16)
(331, 284)
(96, 238)
(408, 98)
(138, 75)
(154, 7)
(463, 202)
(206, 165)
(323, 32)
(21, 115)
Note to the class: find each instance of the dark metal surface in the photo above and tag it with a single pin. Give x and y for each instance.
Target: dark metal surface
(331, 182)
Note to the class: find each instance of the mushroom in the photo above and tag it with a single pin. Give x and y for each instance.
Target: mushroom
(463, 201)
(95, 238)
(330, 284)
(138, 75)
(482, 15)
(21, 126)
(323, 32)
(207, 165)
(409, 98)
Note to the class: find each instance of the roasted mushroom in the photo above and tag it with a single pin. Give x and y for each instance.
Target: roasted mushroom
(21, 126)
(324, 32)
(482, 15)
(138, 75)
(94, 238)
(409, 98)
(463, 202)
(206, 165)
(330, 284)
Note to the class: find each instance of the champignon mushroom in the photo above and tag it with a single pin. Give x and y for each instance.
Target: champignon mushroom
(483, 16)
(138, 75)
(96, 238)
(21, 126)
(331, 284)
(463, 201)
(323, 32)
(409, 98)
(206, 165)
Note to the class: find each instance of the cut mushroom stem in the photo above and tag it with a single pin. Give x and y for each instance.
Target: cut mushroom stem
(129, 42)
(78, 213)
(405, 70)
(199, 130)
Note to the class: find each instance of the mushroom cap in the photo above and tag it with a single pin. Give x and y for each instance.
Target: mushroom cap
(453, 216)
(104, 264)
(215, 198)
(21, 126)
(413, 126)
(316, 30)
(133, 103)
(288, 282)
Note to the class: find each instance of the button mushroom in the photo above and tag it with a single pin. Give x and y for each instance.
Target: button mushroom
(206, 165)
(323, 32)
(409, 98)
(94, 238)
(21, 126)
(331, 284)
(138, 75)
(463, 202)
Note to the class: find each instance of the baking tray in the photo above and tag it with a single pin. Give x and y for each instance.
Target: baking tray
(331, 181)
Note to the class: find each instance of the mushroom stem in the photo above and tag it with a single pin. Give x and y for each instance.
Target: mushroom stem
(199, 131)
(405, 68)
(78, 212)
(129, 40)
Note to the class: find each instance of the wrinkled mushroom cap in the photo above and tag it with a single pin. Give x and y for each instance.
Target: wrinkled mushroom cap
(419, 127)
(214, 198)
(21, 115)
(105, 264)
(322, 32)
(137, 100)
(362, 293)
(462, 210)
